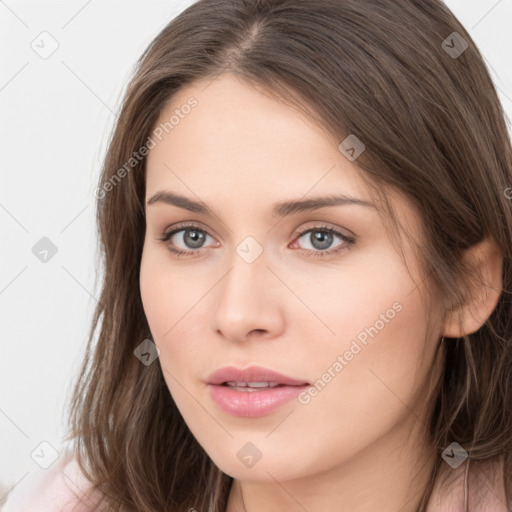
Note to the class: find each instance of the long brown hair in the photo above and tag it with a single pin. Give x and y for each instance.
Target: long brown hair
(434, 130)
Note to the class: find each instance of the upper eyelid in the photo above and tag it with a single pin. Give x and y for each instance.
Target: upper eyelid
(186, 226)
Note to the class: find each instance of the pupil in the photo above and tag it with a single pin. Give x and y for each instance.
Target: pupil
(196, 238)
(325, 239)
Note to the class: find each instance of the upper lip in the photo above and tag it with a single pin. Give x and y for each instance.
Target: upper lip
(252, 374)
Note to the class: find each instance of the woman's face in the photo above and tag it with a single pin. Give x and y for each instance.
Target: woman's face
(278, 290)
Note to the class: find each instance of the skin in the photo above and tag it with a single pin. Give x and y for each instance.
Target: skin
(359, 444)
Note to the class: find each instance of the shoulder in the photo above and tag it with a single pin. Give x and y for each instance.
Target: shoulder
(60, 488)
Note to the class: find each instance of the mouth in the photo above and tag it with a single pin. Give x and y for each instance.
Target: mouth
(252, 392)
(252, 377)
(251, 386)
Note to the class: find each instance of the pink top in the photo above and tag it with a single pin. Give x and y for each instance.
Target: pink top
(60, 488)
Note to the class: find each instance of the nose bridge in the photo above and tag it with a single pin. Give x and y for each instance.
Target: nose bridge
(248, 264)
(244, 303)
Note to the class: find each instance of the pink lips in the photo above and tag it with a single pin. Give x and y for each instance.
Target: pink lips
(251, 374)
(252, 402)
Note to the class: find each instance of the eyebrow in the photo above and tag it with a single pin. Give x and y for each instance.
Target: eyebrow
(281, 209)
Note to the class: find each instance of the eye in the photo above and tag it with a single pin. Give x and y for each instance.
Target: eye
(194, 237)
(321, 238)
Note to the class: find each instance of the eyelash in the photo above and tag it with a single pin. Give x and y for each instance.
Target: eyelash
(348, 241)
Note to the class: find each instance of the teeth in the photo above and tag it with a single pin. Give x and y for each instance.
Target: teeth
(252, 384)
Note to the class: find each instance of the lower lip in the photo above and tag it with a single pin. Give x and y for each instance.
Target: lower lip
(252, 404)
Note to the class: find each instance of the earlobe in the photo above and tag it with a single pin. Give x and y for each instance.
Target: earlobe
(486, 287)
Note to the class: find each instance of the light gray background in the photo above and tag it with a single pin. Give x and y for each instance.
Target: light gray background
(56, 117)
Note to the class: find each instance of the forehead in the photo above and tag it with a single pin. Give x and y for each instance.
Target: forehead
(236, 136)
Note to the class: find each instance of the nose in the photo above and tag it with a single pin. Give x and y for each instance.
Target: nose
(248, 300)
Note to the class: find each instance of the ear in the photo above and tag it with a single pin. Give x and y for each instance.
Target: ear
(487, 263)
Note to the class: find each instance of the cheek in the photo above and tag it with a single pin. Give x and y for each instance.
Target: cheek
(364, 291)
(367, 378)
(152, 289)
(359, 400)
(165, 290)
(171, 295)
(377, 354)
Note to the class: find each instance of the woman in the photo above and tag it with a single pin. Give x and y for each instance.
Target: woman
(306, 226)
